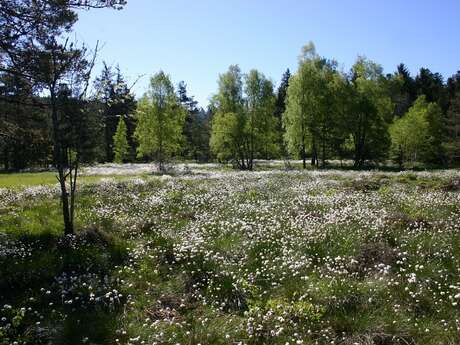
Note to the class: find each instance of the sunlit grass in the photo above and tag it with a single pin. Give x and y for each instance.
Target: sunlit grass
(28, 179)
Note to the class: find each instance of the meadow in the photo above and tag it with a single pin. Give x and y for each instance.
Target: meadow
(214, 256)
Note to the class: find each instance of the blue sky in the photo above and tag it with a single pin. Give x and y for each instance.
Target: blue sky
(196, 40)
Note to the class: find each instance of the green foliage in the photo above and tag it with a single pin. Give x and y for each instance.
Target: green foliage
(452, 131)
(313, 116)
(196, 129)
(113, 100)
(320, 112)
(370, 112)
(260, 122)
(79, 126)
(160, 119)
(24, 130)
(228, 124)
(431, 85)
(227, 133)
(244, 127)
(120, 142)
(415, 136)
(294, 119)
(280, 108)
(402, 90)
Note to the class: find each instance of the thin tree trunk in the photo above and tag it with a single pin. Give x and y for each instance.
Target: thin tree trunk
(73, 174)
(303, 150)
(6, 162)
(59, 163)
(323, 158)
(314, 153)
(304, 157)
(108, 151)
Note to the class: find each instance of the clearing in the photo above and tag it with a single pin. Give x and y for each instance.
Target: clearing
(212, 256)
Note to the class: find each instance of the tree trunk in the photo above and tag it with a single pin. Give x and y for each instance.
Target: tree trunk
(59, 163)
(314, 154)
(6, 161)
(304, 155)
(323, 154)
(108, 151)
(359, 147)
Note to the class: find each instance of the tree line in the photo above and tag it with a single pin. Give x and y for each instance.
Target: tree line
(108, 126)
(319, 113)
(322, 113)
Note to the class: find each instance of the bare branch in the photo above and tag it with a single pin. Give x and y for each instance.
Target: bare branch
(135, 82)
(90, 69)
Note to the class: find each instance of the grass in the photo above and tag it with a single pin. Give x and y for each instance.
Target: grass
(15, 180)
(47, 263)
(251, 258)
(28, 179)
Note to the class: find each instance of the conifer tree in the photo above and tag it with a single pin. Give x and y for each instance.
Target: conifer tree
(120, 142)
(280, 108)
(116, 99)
(452, 131)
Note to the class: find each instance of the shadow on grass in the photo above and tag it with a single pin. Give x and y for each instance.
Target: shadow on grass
(54, 288)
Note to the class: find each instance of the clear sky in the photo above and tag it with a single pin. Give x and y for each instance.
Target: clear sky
(196, 40)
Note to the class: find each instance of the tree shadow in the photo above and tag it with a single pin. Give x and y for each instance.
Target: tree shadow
(53, 288)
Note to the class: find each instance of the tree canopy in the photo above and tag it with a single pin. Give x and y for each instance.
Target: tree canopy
(244, 126)
(160, 121)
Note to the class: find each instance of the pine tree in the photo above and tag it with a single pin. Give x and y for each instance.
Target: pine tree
(402, 90)
(195, 132)
(116, 100)
(453, 85)
(280, 108)
(432, 86)
(121, 147)
(452, 135)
